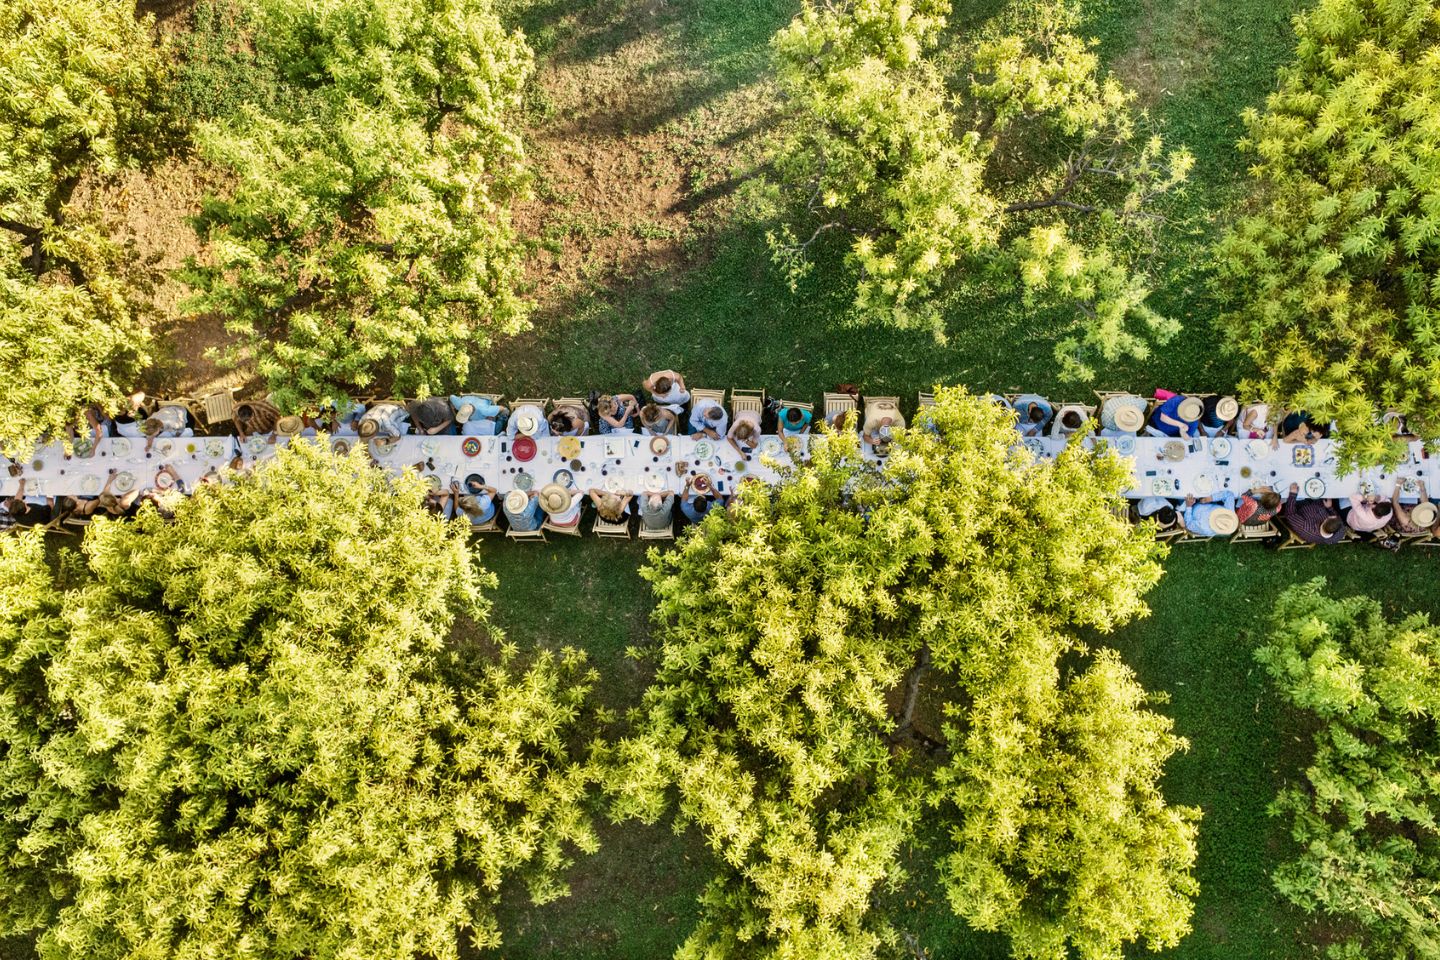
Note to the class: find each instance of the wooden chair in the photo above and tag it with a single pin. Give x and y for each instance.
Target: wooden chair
(492, 526)
(583, 405)
(573, 530)
(1086, 411)
(1293, 542)
(218, 407)
(527, 536)
(746, 401)
(1255, 533)
(699, 393)
(837, 403)
(667, 534)
(923, 400)
(542, 403)
(807, 407)
(604, 528)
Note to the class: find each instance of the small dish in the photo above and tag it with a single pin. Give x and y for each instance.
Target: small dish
(704, 449)
(191, 449)
(659, 446)
(124, 482)
(90, 484)
(1220, 448)
(470, 447)
(614, 484)
(523, 481)
(37, 465)
(563, 477)
(120, 447)
(1258, 449)
(214, 448)
(739, 466)
(1314, 488)
(164, 480)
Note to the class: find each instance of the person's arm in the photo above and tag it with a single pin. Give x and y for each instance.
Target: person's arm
(625, 502)
(1397, 509)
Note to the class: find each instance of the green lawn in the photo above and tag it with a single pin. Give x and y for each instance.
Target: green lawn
(722, 316)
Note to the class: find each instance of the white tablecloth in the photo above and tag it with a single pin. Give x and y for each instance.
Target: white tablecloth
(191, 457)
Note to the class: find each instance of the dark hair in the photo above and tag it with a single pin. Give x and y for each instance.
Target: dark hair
(560, 421)
(244, 412)
(1072, 419)
(794, 414)
(715, 412)
(1037, 413)
(663, 384)
(18, 507)
(1329, 526)
(703, 504)
(1269, 500)
(649, 414)
(1383, 510)
(1165, 516)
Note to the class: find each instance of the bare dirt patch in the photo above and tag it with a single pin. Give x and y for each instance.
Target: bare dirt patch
(1170, 52)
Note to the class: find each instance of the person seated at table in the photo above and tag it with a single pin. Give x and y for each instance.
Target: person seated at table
(617, 412)
(1254, 422)
(708, 419)
(569, 420)
(1218, 414)
(561, 506)
(1206, 517)
(477, 503)
(441, 502)
(744, 434)
(697, 499)
(165, 502)
(1177, 415)
(1159, 509)
(1298, 427)
(255, 416)
(658, 421)
(1258, 506)
(97, 428)
(127, 422)
(1313, 521)
(1367, 514)
(657, 512)
(1122, 416)
(31, 510)
(1033, 413)
(1413, 521)
(106, 502)
(522, 511)
(794, 421)
(527, 420)
(842, 420)
(1071, 420)
(385, 420)
(432, 416)
(341, 421)
(882, 418)
(478, 416)
(612, 507)
(667, 389)
(171, 420)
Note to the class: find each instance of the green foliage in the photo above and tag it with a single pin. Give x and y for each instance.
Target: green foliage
(1006, 155)
(238, 734)
(221, 69)
(369, 228)
(795, 632)
(1365, 815)
(81, 94)
(1336, 269)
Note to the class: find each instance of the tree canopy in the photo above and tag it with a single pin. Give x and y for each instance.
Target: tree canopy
(82, 87)
(802, 634)
(1335, 270)
(368, 231)
(1364, 814)
(237, 733)
(942, 157)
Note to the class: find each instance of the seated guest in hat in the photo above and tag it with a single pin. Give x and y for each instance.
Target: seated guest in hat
(1159, 509)
(709, 419)
(1254, 423)
(569, 420)
(1314, 521)
(744, 434)
(528, 420)
(612, 507)
(1070, 420)
(385, 420)
(1219, 413)
(255, 416)
(1122, 416)
(1258, 506)
(657, 511)
(1176, 416)
(478, 416)
(432, 416)
(617, 412)
(1417, 520)
(1299, 427)
(1207, 518)
(522, 511)
(1033, 414)
(658, 421)
(1367, 514)
(667, 389)
(794, 421)
(562, 508)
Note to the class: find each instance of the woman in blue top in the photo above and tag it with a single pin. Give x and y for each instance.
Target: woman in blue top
(1178, 415)
(795, 420)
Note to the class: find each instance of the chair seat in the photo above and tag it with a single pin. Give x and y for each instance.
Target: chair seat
(604, 528)
(529, 536)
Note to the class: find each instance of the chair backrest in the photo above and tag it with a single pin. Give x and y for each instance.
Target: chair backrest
(668, 533)
(604, 528)
(1085, 410)
(1248, 533)
(838, 403)
(580, 402)
(219, 406)
(699, 393)
(746, 401)
(807, 407)
(542, 402)
(527, 535)
(923, 400)
(573, 530)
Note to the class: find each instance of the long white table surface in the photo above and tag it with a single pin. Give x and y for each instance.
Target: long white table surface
(628, 463)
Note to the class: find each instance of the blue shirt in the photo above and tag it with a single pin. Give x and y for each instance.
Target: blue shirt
(1169, 408)
(1026, 426)
(698, 420)
(687, 507)
(794, 429)
(528, 519)
(1197, 515)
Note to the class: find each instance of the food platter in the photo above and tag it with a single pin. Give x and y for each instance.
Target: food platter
(256, 445)
(1162, 486)
(704, 449)
(1220, 448)
(214, 448)
(470, 447)
(1303, 455)
(1409, 485)
(124, 481)
(1314, 488)
(659, 446)
(568, 448)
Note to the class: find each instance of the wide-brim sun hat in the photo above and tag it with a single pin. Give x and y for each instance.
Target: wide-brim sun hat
(1128, 417)
(1227, 408)
(289, 426)
(516, 501)
(367, 429)
(1424, 514)
(1224, 521)
(526, 425)
(1190, 410)
(555, 498)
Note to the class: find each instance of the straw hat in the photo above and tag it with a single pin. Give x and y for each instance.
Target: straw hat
(464, 412)
(555, 498)
(1190, 410)
(1424, 514)
(1226, 408)
(1128, 417)
(367, 429)
(290, 426)
(526, 425)
(516, 501)
(1224, 521)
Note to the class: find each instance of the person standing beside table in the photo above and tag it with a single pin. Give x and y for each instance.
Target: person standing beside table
(667, 389)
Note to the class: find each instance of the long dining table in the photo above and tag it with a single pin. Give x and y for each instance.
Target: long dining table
(636, 464)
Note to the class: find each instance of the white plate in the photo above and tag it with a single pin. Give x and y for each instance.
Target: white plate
(1160, 487)
(164, 481)
(429, 447)
(90, 484)
(120, 447)
(165, 447)
(704, 449)
(614, 448)
(771, 445)
(654, 482)
(256, 444)
(523, 481)
(1203, 484)
(1258, 449)
(124, 481)
(614, 484)
(1125, 446)
(214, 448)
(1314, 488)
(1366, 488)
(1220, 448)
